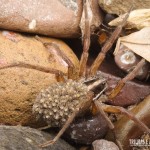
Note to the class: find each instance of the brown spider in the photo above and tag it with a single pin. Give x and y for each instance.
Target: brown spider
(75, 87)
(87, 99)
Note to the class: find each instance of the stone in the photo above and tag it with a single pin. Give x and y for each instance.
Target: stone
(104, 145)
(86, 129)
(25, 138)
(56, 18)
(120, 7)
(19, 86)
(132, 93)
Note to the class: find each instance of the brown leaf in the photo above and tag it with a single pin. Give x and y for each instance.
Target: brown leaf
(138, 42)
(138, 19)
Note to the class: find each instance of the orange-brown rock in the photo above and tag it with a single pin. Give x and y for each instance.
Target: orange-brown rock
(18, 85)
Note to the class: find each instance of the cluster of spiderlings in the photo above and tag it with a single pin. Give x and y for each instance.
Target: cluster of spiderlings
(56, 103)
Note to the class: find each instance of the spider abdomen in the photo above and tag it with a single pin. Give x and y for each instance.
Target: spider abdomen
(56, 103)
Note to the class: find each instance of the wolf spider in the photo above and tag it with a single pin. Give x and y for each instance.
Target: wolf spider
(90, 75)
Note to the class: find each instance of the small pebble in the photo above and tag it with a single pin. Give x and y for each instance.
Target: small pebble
(104, 145)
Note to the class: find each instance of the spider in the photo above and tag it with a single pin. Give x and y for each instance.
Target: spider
(85, 97)
(74, 92)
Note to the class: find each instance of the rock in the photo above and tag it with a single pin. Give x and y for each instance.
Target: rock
(119, 7)
(57, 18)
(104, 145)
(25, 138)
(130, 49)
(19, 86)
(86, 129)
(132, 93)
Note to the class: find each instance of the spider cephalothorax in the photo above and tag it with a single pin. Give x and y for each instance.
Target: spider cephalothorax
(56, 103)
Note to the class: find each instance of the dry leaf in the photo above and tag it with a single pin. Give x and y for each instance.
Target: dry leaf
(138, 42)
(139, 19)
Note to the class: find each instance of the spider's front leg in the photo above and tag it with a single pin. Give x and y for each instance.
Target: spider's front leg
(86, 41)
(129, 77)
(101, 56)
(55, 49)
(59, 74)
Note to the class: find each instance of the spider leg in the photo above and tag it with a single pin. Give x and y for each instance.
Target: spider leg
(107, 46)
(61, 54)
(92, 86)
(86, 43)
(59, 74)
(110, 124)
(129, 77)
(117, 109)
(98, 105)
(68, 122)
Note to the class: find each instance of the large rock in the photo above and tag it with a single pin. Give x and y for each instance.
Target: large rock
(24, 138)
(18, 85)
(57, 18)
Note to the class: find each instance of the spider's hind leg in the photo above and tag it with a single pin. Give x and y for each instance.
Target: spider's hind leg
(102, 108)
(110, 124)
(118, 109)
(68, 122)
